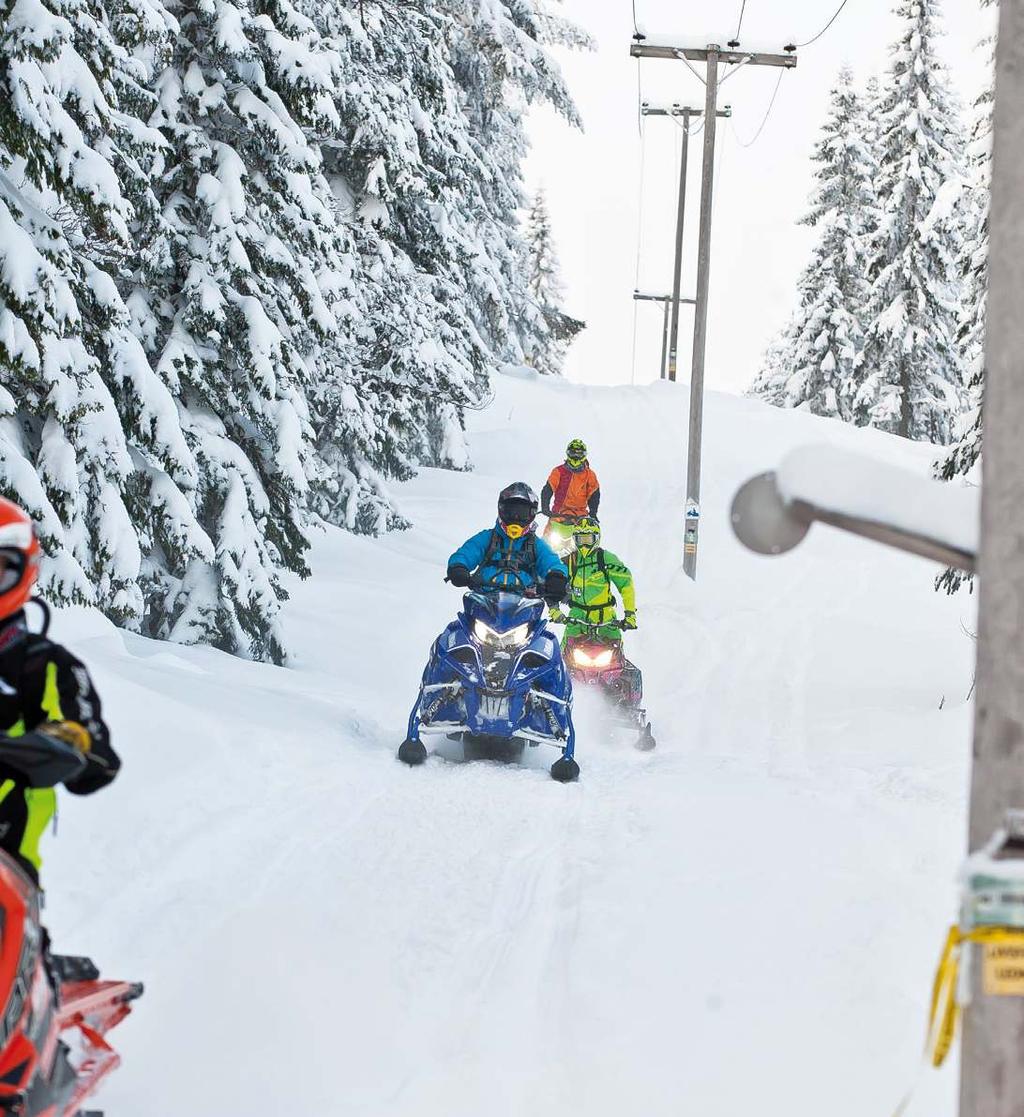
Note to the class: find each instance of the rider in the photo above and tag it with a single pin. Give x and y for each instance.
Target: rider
(43, 689)
(572, 488)
(593, 571)
(509, 555)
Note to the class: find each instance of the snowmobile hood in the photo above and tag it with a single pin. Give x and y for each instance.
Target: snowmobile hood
(501, 611)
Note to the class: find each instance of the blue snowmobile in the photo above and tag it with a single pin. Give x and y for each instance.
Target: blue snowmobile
(495, 678)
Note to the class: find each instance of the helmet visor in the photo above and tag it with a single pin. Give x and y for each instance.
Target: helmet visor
(12, 568)
(517, 511)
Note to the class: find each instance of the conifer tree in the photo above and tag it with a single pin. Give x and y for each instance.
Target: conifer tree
(965, 455)
(817, 363)
(79, 404)
(914, 381)
(235, 300)
(546, 289)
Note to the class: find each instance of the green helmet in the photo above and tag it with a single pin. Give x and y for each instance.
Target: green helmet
(576, 451)
(586, 534)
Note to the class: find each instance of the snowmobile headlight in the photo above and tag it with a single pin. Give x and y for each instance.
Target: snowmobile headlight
(517, 636)
(511, 639)
(485, 634)
(581, 658)
(603, 659)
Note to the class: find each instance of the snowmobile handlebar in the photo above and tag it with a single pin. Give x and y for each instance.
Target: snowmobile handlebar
(478, 585)
(592, 626)
(39, 760)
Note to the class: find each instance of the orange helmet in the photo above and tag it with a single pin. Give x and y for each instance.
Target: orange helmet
(19, 558)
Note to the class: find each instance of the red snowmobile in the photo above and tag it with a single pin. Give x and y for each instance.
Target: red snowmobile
(594, 660)
(56, 1011)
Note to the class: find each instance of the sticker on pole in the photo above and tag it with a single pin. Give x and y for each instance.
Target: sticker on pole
(1002, 968)
(692, 526)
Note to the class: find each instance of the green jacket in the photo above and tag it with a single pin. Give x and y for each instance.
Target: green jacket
(593, 580)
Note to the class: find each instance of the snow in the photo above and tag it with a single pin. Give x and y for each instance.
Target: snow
(849, 483)
(744, 920)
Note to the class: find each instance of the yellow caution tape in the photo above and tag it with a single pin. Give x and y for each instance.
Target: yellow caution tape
(945, 1011)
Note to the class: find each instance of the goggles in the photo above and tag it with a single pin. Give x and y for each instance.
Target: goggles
(12, 568)
(521, 512)
(586, 539)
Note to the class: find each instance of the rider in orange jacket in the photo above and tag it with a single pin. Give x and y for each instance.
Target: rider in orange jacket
(572, 491)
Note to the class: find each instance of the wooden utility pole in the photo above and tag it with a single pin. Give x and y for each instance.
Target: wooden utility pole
(713, 56)
(666, 301)
(992, 1066)
(686, 112)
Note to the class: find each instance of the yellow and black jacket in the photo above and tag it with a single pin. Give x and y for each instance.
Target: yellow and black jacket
(40, 681)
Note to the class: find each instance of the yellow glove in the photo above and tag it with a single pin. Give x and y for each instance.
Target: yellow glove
(556, 616)
(72, 733)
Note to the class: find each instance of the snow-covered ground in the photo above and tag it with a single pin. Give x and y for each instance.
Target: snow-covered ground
(745, 920)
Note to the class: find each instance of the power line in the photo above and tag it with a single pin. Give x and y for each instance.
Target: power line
(771, 105)
(735, 42)
(800, 46)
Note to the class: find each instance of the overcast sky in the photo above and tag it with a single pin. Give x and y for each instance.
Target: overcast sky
(592, 178)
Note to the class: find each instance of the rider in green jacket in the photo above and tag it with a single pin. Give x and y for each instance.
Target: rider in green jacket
(595, 576)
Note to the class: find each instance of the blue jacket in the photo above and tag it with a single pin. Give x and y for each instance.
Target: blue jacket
(473, 552)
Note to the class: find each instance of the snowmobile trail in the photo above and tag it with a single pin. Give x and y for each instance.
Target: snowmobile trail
(743, 918)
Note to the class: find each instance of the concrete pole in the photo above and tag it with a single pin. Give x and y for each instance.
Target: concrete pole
(677, 273)
(992, 1067)
(700, 327)
(664, 341)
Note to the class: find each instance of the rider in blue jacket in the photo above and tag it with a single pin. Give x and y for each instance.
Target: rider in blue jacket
(510, 555)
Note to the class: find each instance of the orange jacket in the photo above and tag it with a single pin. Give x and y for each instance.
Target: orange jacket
(571, 494)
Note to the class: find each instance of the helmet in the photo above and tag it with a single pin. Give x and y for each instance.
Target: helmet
(586, 534)
(517, 508)
(576, 452)
(19, 558)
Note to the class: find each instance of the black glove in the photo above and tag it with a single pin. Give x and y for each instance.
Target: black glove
(458, 575)
(628, 621)
(555, 585)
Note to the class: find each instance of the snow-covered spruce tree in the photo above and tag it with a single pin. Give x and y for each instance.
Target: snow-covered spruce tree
(427, 159)
(80, 408)
(914, 382)
(816, 363)
(545, 286)
(240, 301)
(964, 458)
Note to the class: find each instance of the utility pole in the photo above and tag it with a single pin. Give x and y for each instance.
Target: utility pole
(992, 1065)
(666, 301)
(713, 56)
(687, 113)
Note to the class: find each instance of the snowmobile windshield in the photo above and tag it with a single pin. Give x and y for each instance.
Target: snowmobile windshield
(502, 612)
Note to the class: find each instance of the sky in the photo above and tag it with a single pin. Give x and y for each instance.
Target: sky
(593, 178)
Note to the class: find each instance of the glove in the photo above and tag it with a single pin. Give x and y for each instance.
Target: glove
(458, 575)
(628, 622)
(72, 733)
(555, 585)
(556, 616)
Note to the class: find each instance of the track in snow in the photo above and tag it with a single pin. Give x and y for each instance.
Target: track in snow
(745, 918)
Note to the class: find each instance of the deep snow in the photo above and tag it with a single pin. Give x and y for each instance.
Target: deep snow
(744, 920)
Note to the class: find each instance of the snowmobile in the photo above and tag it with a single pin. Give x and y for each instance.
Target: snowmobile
(595, 661)
(558, 534)
(496, 681)
(56, 1010)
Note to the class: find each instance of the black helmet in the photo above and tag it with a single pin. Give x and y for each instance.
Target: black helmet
(518, 504)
